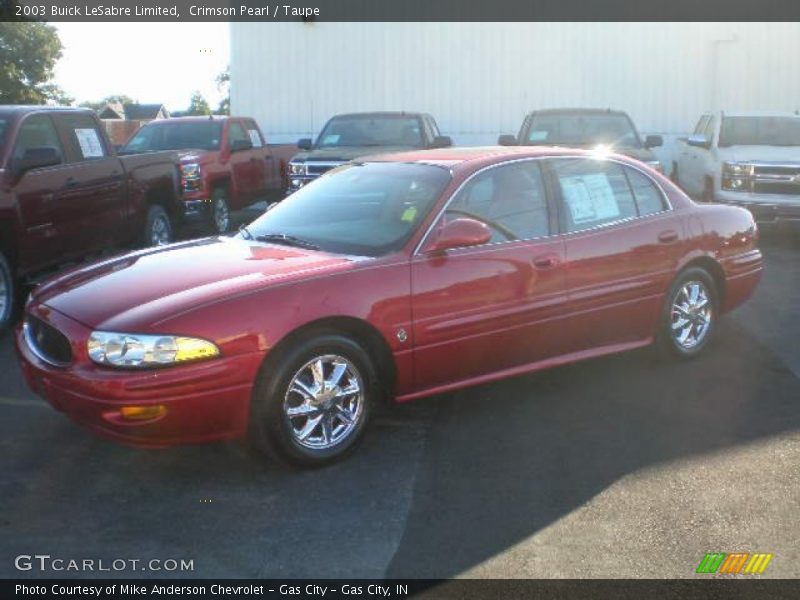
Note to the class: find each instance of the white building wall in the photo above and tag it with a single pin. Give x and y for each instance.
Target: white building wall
(480, 79)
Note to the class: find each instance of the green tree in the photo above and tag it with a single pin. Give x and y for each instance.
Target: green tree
(113, 99)
(198, 105)
(223, 81)
(30, 52)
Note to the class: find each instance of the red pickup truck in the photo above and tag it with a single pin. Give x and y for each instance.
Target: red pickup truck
(226, 163)
(65, 194)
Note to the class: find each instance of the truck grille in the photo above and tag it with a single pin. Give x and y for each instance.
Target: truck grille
(769, 178)
(47, 342)
(317, 169)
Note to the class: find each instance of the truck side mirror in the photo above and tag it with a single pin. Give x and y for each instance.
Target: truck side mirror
(507, 140)
(653, 141)
(305, 144)
(36, 158)
(699, 140)
(442, 141)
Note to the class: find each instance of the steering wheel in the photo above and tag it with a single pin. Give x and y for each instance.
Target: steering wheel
(499, 227)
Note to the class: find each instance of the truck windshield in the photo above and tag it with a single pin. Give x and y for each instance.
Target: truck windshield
(760, 131)
(366, 209)
(581, 130)
(372, 130)
(194, 135)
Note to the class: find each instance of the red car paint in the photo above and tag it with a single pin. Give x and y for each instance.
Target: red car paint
(471, 314)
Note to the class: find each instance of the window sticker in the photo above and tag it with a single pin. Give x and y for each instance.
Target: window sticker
(255, 139)
(332, 138)
(589, 198)
(538, 136)
(89, 143)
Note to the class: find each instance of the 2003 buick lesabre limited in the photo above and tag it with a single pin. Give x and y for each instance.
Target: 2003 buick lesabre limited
(395, 278)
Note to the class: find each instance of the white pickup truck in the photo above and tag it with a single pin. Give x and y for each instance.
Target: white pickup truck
(747, 159)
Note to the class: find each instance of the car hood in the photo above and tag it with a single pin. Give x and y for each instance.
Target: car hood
(345, 153)
(789, 154)
(137, 291)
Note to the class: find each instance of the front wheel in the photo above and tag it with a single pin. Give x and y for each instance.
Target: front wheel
(157, 229)
(7, 294)
(220, 211)
(690, 314)
(311, 407)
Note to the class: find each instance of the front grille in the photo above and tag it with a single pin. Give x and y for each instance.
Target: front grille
(786, 189)
(782, 179)
(319, 169)
(47, 342)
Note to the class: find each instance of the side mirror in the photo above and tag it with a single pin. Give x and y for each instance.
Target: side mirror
(305, 144)
(462, 232)
(653, 141)
(442, 141)
(240, 145)
(36, 158)
(698, 140)
(507, 140)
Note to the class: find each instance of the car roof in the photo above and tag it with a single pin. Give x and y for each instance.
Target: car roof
(382, 113)
(468, 158)
(577, 111)
(14, 110)
(759, 113)
(192, 119)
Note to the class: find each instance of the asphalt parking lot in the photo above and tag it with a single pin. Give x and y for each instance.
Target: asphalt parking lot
(618, 467)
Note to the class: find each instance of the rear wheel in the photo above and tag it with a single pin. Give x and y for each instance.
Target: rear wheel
(311, 406)
(7, 294)
(158, 229)
(689, 316)
(220, 216)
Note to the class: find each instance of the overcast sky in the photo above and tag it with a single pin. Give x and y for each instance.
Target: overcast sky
(150, 62)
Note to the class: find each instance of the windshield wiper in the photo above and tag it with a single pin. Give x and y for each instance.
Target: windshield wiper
(288, 240)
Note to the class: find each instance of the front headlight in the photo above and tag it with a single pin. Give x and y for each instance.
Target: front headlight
(191, 171)
(655, 164)
(136, 350)
(736, 176)
(297, 169)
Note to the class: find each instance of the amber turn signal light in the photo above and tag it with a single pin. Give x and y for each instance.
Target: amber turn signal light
(142, 413)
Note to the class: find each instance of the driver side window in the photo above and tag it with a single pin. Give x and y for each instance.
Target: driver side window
(510, 199)
(36, 132)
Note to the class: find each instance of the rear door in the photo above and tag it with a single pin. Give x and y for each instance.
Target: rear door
(485, 309)
(91, 206)
(622, 244)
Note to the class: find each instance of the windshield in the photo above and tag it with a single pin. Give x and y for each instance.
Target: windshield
(760, 131)
(581, 130)
(196, 135)
(361, 209)
(371, 130)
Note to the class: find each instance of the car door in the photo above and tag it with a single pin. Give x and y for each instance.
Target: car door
(489, 308)
(622, 245)
(690, 161)
(91, 207)
(247, 165)
(37, 192)
(272, 180)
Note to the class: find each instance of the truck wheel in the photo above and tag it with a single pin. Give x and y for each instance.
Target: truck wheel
(311, 407)
(7, 294)
(157, 229)
(708, 190)
(220, 211)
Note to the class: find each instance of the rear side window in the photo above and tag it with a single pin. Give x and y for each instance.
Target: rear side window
(36, 131)
(593, 193)
(649, 199)
(84, 138)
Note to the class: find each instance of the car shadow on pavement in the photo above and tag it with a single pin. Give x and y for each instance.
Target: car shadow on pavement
(507, 460)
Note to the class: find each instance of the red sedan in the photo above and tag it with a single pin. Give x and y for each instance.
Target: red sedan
(396, 278)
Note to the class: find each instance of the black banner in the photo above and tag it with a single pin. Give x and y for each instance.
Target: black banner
(400, 10)
(461, 589)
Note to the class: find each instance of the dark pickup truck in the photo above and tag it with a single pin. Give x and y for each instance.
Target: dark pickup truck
(65, 194)
(347, 137)
(226, 163)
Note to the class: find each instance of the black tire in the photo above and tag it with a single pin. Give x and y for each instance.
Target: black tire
(667, 338)
(8, 294)
(157, 228)
(219, 214)
(271, 430)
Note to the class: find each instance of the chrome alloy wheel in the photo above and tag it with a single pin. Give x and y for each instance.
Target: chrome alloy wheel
(691, 315)
(222, 215)
(159, 232)
(324, 402)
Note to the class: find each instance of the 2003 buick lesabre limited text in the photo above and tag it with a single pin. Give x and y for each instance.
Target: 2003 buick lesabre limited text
(101, 10)
(398, 277)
